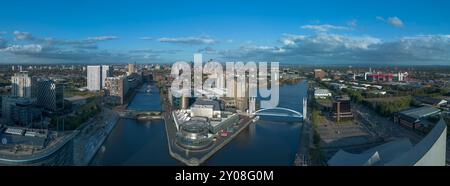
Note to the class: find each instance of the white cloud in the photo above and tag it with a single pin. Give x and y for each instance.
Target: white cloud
(189, 40)
(327, 48)
(208, 50)
(330, 40)
(323, 28)
(393, 21)
(259, 48)
(290, 39)
(319, 47)
(49, 49)
(102, 38)
(23, 35)
(152, 51)
(146, 38)
(23, 49)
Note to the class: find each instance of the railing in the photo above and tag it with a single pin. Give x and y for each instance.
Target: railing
(262, 112)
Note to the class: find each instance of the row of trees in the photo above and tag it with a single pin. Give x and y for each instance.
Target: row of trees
(81, 115)
(355, 95)
(316, 153)
(316, 118)
(384, 107)
(70, 91)
(387, 108)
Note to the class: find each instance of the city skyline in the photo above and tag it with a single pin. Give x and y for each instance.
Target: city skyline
(318, 33)
(251, 91)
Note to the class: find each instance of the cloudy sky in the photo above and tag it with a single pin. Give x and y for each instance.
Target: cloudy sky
(399, 32)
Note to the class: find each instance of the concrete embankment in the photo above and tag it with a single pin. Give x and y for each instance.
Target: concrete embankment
(92, 136)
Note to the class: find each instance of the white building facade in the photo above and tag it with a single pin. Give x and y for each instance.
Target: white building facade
(96, 76)
(21, 85)
(322, 93)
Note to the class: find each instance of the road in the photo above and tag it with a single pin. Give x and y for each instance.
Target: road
(302, 156)
(382, 126)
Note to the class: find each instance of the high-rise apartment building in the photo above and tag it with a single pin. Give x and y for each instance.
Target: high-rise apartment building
(96, 76)
(130, 69)
(116, 88)
(241, 90)
(21, 85)
(49, 94)
(107, 71)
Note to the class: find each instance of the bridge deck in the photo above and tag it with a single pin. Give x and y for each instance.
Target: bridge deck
(269, 112)
(279, 114)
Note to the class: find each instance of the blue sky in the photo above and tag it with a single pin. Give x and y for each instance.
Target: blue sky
(339, 31)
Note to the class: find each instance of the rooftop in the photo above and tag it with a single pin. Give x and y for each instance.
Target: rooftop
(430, 100)
(195, 125)
(321, 91)
(420, 112)
(207, 102)
(429, 151)
(342, 98)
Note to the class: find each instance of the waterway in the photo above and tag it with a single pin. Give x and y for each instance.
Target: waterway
(269, 141)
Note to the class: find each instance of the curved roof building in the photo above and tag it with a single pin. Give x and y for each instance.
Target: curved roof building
(430, 151)
(194, 134)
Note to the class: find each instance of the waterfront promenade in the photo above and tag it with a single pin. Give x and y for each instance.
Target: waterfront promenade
(302, 157)
(94, 132)
(92, 135)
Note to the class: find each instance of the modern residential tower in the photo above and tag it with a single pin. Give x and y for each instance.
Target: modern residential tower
(96, 76)
(131, 69)
(49, 94)
(21, 85)
(107, 71)
(116, 88)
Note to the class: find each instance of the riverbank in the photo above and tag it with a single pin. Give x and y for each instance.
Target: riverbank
(302, 157)
(92, 135)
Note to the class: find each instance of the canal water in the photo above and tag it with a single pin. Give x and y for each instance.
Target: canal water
(269, 141)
